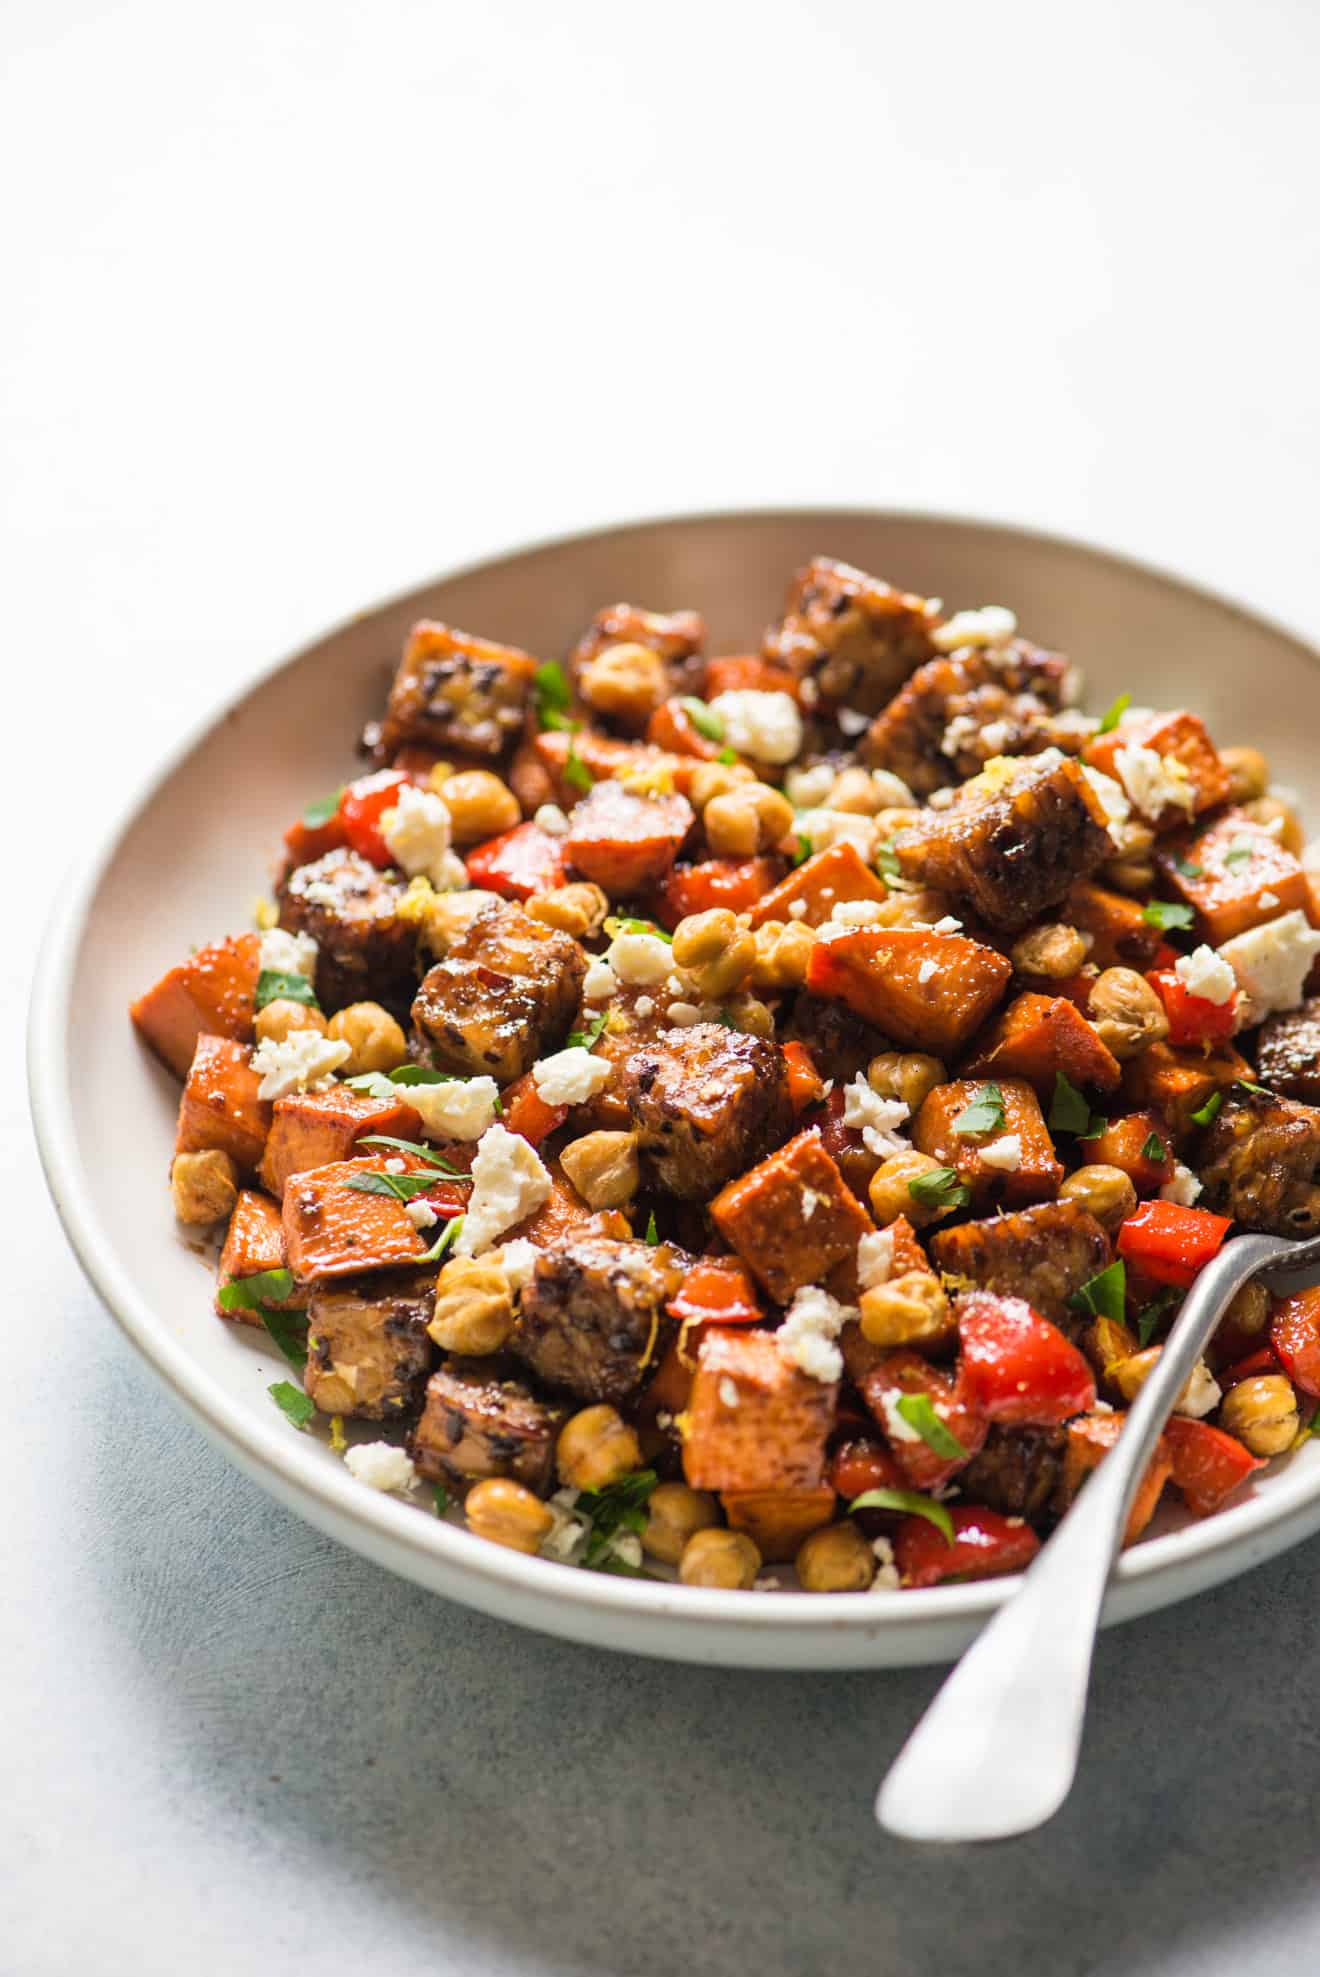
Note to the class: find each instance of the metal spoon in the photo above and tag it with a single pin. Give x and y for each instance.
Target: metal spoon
(996, 1752)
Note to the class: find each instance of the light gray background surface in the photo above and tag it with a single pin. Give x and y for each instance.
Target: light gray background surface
(305, 302)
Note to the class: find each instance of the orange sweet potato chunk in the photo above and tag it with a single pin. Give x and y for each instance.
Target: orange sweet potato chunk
(927, 991)
(1174, 1083)
(317, 1128)
(333, 1230)
(1090, 1439)
(254, 1242)
(1120, 937)
(220, 1108)
(777, 1521)
(791, 1218)
(1234, 875)
(213, 992)
(821, 883)
(1123, 1144)
(1038, 1036)
(1181, 735)
(623, 842)
(601, 755)
(1039, 1174)
(754, 1420)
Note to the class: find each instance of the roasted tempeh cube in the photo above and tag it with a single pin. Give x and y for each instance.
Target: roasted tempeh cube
(479, 1422)
(1013, 1163)
(220, 1108)
(1037, 1037)
(366, 950)
(333, 1228)
(792, 1218)
(368, 1353)
(593, 1317)
(1288, 1052)
(455, 691)
(317, 1128)
(956, 714)
(853, 636)
(1043, 1254)
(1259, 1161)
(212, 993)
(1018, 1471)
(706, 1103)
(927, 991)
(754, 1421)
(1175, 1083)
(503, 996)
(254, 1243)
(1234, 875)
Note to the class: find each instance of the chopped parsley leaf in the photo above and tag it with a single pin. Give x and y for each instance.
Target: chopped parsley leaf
(1098, 1127)
(703, 718)
(250, 1293)
(802, 852)
(576, 773)
(939, 1187)
(1104, 1295)
(449, 1234)
(1209, 1112)
(623, 923)
(1069, 1111)
(1150, 1317)
(551, 693)
(1167, 914)
(1185, 869)
(272, 986)
(420, 1152)
(886, 861)
(1257, 1091)
(620, 1507)
(403, 1187)
(1154, 1149)
(652, 1232)
(984, 1114)
(321, 811)
(588, 1039)
(918, 1410)
(727, 755)
(288, 1329)
(292, 1402)
(1110, 719)
(910, 1501)
(441, 1499)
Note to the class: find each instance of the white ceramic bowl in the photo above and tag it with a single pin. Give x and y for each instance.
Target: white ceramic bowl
(196, 846)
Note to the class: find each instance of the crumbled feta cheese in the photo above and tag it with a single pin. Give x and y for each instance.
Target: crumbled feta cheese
(1004, 1154)
(807, 1335)
(571, 1076)
(517, 1259)
(766, 1582)
(1183, 1188)
(508, 1183)
(797, 909)
(874, 1117)
(948, 925)
(320, 892)
(1201, 1395)
(991, 625)
(685, 1015)
(853, 721)
(1101, 1407)
(1285, 793)
(806, 789)
(822, 828)
(600, 982)
(1155, 783)
(927, 971)
(961, 729)
(1273, 826)
(420, 1213)
(380, 1466)
(283, 953)
(458, 1109)
(1271, 964)
(1269, 900)
(766, 726)
(641, 960)
(1207, 974)
(857, 912)
(396, 1166)
(875, 1258)
(644, 1006)
(995, 735)
(1310, 855)
(1073, 687)
(886, 1570)
(551, 819)
(728, 1392)
(417, 831)
(568, 1532)
(626, 1547)
(303, 1061)
(897, 1429)
(811, 1201)
(1113, 802)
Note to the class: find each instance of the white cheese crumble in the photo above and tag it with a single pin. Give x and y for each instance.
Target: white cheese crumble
(1004, 1154)
(1155, 783)
(417, 831)
(1271, 964)
(571, 1076)
(459, 1109)
(886, 1570)
(644, 1006)
(857, 912)
(686, 1015)
(641, 960)
(897, 1429)
(1207, 974)
(508, 1184)
(1113, 802)
(283, 953)
(807, 1335)
(853, 721)
(811, 1201)
(517, 1259)
(600, 981)
(875, 1258)
(961, 729)
(1201, 1395)
(1269, 900)
(766, 726)
(421, 1214)
(728, 1392)
(874, 1117)
(948, 925)
(551, 819)
(1183, 1188)
(823, 827)
(993, 624)
(927, 971)
(303, 1061)
(807, 789)
(797, 909)
(320, 892)
(396, 1166)
(380, 1466)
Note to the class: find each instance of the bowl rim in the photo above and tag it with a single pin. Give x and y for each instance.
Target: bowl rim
(327, 1494)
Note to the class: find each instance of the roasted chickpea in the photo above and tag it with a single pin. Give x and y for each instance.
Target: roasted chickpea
(1197, 1398)
(373, 1036)
(673, 1514)
(596, 1448)
(753, 1017)
(1250, 1310)
(857, 790)
(578, 909)
(891, 1193)
(479, 805)
(1133, 870)
(808, 787)
(750, 818)
(204, 1186)
(908, 1075)
(442, 916)
(1261, 1413)
(715, 951)
(1127, 1013)
(712, 779)
(507, 1514)
(909, 1310)
(1055, 951)
(1268, 810)
(1106, 1342)
(473, 1307)
(626, 681)
(719, 1558)
(835, 1560)
(1105, 1192)
(1249, 773)
(603, 1168)
(783, 952)
(282, 1017)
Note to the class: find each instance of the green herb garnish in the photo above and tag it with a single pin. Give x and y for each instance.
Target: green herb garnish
(449, 1234)
(419, 1152)
(1110, 719)
(1154, 1149)
(939, 1187)
(1098, 1127)
(441, 1499)
(1150, 1317)
(1185, 868)
(1167, 915)
(1069, 1111)
(588, 1039)
(272, 986)
(322, 811)
(726, 1019)
(910, 1501)
(886, 861)
(403, 1187)
(623, 923)
(576, 773)
(802, 852)
(1104, 1295)
(550, 690)
(984, 1114)
(621, 1507)
(1209, 1112)
(385, 1084)
(251, 1293)
(1240, 852)
(918, 1410)
(288, 1329)
(652, 1232)
(727, 755)
(1257, 1091)
(292, 1402)
(703, 718)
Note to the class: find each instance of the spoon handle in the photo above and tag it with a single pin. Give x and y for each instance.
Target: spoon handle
(996, 1752)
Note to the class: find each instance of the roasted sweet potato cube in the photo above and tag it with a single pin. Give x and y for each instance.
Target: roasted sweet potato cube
(368, 1353)
(1288, 1052)
(1139, 1143)
(821, 883)
(366, 949)
(254, 1243)
(478, 1422)
(754, 1421)
(777, 1521)
(1179, 736)
(1012, 843)
(625, 843)
(1234, 874)
(792, 1218)
(212, 993)
(1090, 1439)
(317, 1128)
(456, 691)
(1176, 1083)
(503, 996)
(334, 1229)
(927, 991)
(1037, 1037)
(1037, 1173)
(1120, 936)
(852, 635)
(1042, 1254)
(602, 756)
(220, 1108)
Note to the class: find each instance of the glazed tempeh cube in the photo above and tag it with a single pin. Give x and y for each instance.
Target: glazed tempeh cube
(479, 1422)
(853, 636)
(1042, 1254)
(366, 950)
(458, 692)
(368, 1353)
(503, 996)
(706, 1103)
(593, 1317)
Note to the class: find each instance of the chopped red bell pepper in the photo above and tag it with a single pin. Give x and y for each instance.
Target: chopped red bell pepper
(306, 842)
(361, 808)
(517, 863)
(906, 1372)
(1171, 1244)
(1192, 1018)
(1018, 1367)
(736, 883)
(985, 1545)
(863, 1463)
(805, 1084)
(1295, 1337)
(526, 1112)
(672, 727)
(1250, 1368)
(1208, 1465)
(717, 1291)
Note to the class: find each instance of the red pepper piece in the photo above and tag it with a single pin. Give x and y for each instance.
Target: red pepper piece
(1019, 1368)
(1192, 1018)
(1171, 1244)
(1295, 1337)
(517, 863)
(717, 1291)
(985, 1545)
(737, 883)
(361, 808)
(1256, 1363)
(906, 1372)
(1208, 1465)
(863, 1463)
